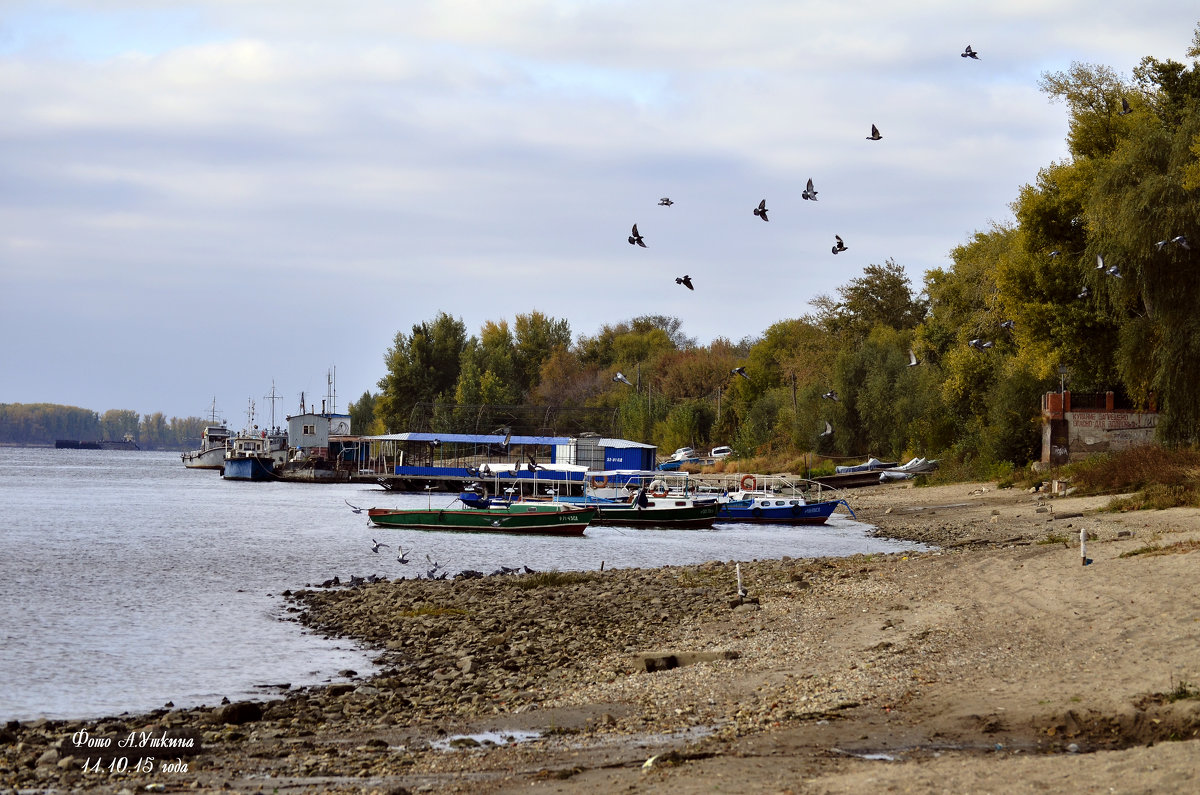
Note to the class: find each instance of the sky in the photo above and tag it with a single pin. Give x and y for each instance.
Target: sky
(206, 200)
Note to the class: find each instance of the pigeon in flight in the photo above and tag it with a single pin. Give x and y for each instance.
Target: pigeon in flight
(621, 378)
(1125, 109)
(1008, 324)
(874, 136)
(1054, 254)
(1182, 241)
(830, 395)
(665, 201)
(1160, 245)
(354, 508)
(1114, 272)
(969, 53)
(686, 281)
(375, 545)
(761, 210)
(1099, 262)
(839, 245)
(980, 344)
(1085, 292)
(809, 191)
(402, 557)
(828, 429)
(740, 371)
(636, 237)
(912, 358)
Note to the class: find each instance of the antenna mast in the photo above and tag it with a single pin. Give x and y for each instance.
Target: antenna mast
(273, 397)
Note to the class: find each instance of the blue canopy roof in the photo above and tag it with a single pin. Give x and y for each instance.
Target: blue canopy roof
(471, 438)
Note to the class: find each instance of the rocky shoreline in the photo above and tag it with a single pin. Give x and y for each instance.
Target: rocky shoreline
(968, 660)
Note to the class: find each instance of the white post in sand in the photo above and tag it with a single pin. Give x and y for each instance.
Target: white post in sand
(1083, 546)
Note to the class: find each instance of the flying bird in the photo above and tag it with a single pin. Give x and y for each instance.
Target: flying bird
(636, 237)
(1053, 254)
(621, 378)
(402, 557)
(969, 53)
(1125, 109)
(740, 371)
(665, 202)
(533, 464)
(375, 545)
(1160, 245)
(686, 281)
(1099, 262)
(831, 395)
(874, 136)
(1008, 324)
(354, 508)
(839, 246)
(1182, 241)
(1114, 272)
(828, 429)
(761, 210)
(1085, 292)
(912, 358)
(980, 344)
(809, 191)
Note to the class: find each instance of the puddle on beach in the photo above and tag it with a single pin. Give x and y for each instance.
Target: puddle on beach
(483, 740)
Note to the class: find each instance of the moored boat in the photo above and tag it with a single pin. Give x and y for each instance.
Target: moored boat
(211, 455)
(538, 518)
(249, 457)
(773, 509)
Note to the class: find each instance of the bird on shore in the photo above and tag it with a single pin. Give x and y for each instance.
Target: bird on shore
(636, 238)
(809, 193)
(740, 371)
(686, 281)
(874, 136)
(839, 245)
(830, 395)
(375, 545)
(665, 201)
(620, 377)
(354, 508)
(912, 358)
(761, 210)
(969, 53)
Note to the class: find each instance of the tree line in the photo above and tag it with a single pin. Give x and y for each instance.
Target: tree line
(44, 423)
(1094, 282)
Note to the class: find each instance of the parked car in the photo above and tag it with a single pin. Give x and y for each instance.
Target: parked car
(682, 453)
(721, 451)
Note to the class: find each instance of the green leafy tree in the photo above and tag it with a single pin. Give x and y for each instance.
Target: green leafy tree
(422, 367)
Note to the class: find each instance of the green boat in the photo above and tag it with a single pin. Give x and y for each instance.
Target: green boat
(546, 518)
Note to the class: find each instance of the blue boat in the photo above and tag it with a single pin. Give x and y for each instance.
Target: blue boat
(773, 509)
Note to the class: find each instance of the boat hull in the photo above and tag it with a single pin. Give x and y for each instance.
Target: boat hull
(213, 458)
(810, 513)
(690, 516)
(535, 520)
(249, 468)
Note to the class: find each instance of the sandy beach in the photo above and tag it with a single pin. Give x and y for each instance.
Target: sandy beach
(1001, 660)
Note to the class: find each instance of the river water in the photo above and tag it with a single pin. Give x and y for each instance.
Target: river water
(128, 581)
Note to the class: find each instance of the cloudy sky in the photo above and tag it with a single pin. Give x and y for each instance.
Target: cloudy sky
(202, 198)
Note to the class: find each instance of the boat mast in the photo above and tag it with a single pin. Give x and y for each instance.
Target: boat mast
(273, 397)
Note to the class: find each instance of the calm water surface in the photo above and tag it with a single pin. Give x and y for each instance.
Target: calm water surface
(127, 581)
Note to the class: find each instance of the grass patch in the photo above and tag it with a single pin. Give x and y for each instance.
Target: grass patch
(1054, 538)
(1178, 548)
(1155, 477)
(549, 579)
(1181, 692)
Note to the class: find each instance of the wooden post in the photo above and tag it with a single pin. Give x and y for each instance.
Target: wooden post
(1083, 546)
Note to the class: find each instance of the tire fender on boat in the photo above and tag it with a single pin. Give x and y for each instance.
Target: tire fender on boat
(797, 510)
(756, 513)
(752, 480)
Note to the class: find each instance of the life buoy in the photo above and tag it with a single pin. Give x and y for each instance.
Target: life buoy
(752, 480)
(599, 482)
(658, 494)
(658, 489)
